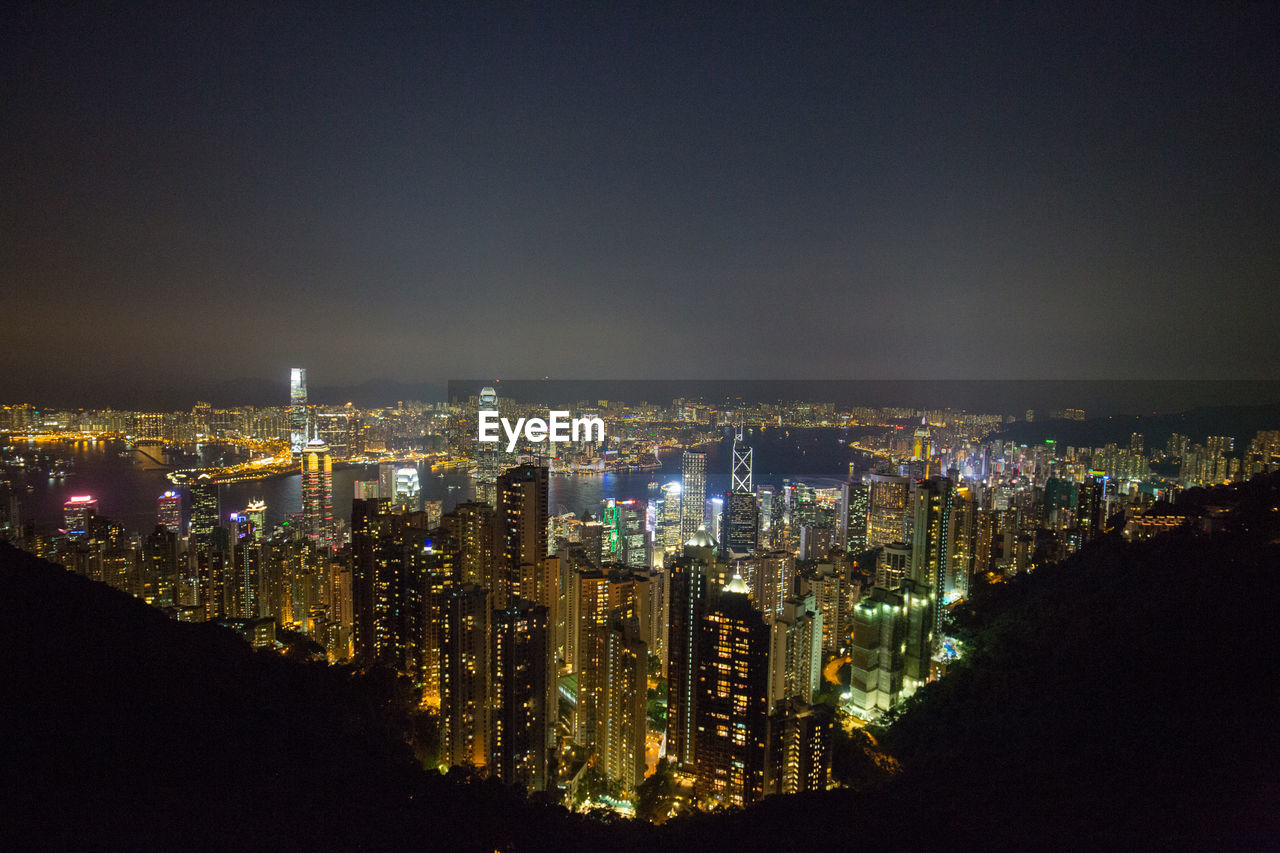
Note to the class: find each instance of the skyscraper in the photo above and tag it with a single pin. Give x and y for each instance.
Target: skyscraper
(932, 539)
(522, 533)
(741, 528)
(169, 511)
(733, 699)
(317, 493)
(667, 522)
(256, 512)
(799, 748)
(464, 676)
(523, 706)
(693, 495)
(77, 512)
(687, 578)
(854, 503)
(299, 431)
(741, 473)
(886, 516)
(622, 717)
(204, 509)
(487, 454)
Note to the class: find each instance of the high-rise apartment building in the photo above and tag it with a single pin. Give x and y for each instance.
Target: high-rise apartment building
(523, 705)
(464, 676)
(522, 533)
(887, 509)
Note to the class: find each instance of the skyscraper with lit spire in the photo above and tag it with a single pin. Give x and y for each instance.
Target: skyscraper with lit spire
(317, 492)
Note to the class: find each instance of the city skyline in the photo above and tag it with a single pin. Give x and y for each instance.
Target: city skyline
(882, 191)
(617, 426)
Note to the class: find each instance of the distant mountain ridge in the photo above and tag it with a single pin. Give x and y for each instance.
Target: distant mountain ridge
(1238, 422)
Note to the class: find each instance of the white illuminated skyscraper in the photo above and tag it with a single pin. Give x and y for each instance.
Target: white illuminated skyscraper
(299, 434)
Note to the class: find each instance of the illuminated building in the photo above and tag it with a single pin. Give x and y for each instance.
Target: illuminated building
(523, 707)
(887, 509)
(487, 454)
(336, 429)
(78, 513)
(893, 564)
(407, 489)
(742, 523)
(395, 567)
(160, 566)
(960, 560)
(633, 545)
(317, 493)
(299, 427)
(204, 509)
(852, 518)
(716, 516)
(693, 493)
(611, 537)
(256, 512)
(1090, 507)
(687, 576)
(892, 639)
(622, 715)
(244, 570)
(834, 595)
(771, 578)
(732, 699)
(522, 533)
(795, 657)
(921, 448)
(667, 525)
(464, 676)
(799, 748)
(472, 528)
(932, 539)
(597, 597)
(169, 511)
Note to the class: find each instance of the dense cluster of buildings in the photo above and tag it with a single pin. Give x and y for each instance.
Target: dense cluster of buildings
(723, 639)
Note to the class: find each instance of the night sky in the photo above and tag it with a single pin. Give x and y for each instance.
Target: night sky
(426, 191)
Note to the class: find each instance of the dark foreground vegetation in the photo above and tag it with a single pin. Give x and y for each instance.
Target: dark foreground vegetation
(1124, 698)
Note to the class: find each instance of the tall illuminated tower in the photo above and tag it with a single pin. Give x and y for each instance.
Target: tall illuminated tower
(740, 479)
(317, 492)
(487, 455)
(256, 512)
(522, 533)
(169, 511)
(693, 495)
(299, 434)
(732, 706)
(77, 512)
(204, 509)
(522, 702)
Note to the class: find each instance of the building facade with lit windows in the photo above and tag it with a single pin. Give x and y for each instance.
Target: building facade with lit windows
(317, 493)
(887, 509)
(732, 699)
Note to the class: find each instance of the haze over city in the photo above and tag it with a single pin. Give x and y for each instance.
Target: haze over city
(406, 193)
